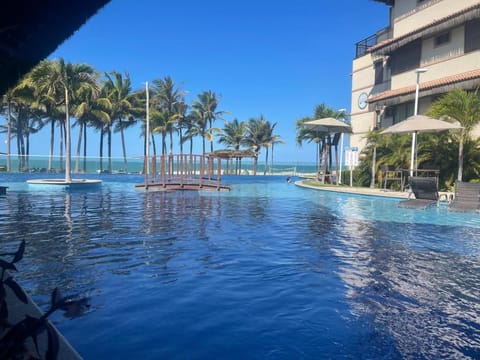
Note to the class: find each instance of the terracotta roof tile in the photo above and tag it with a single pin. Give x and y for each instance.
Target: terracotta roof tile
(449, 80)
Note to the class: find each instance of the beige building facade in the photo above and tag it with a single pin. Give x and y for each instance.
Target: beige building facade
(436, 42)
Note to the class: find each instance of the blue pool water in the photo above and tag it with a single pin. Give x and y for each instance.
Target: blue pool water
(269, 270)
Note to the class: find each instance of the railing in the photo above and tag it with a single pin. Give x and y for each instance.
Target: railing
(183, 170)
(362, 46)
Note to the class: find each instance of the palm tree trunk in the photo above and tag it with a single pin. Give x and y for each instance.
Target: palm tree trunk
(124, 149)
(460, 156)
(271, 160)
(109, 147)
(84, 149)
(68, 154)
(154, 145)
(9, 130)
(101, 149)
(181, 138)
(79, 148)
(52, 143)
(62, 142)
(266, 161)
(374, 167)
(211, 142)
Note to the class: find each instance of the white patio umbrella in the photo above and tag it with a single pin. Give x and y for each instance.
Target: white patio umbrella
(330, 126)
(416, 124)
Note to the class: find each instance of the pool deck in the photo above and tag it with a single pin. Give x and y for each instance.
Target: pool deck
(366, 191)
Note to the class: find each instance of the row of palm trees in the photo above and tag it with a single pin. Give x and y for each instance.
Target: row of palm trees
(55, 90)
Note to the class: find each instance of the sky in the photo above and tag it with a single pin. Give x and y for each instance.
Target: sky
(279, 59)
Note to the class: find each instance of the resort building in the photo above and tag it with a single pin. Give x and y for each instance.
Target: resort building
(430, 44)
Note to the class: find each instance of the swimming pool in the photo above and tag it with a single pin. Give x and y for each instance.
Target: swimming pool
(268, 270)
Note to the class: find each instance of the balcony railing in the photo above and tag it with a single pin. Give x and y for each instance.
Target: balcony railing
(362, 46)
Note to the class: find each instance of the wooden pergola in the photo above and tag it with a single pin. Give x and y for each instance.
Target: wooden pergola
(238, 155)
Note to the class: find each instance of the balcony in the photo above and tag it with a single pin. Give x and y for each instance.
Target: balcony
(362, 47)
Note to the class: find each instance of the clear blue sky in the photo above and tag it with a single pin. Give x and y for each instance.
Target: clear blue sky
(277, 58)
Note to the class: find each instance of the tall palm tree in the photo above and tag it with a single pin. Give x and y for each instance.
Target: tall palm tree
(322, 139)
(269, 139)
(61, 82)
(206, 112)
(7, 106)
(91, 111)
(463, 107)
(276, 139)
(259, 133)
(27, 118)
(181, 115)
(192, 129)
(233, 135)
(168, 99)
(118, 93)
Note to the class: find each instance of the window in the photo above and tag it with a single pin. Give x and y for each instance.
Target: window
(472, 35)
(400, 112)
(406, 58)
(378, 72)
(441, 39)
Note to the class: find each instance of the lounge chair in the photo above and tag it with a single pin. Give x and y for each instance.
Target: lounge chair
(467, 197)
(425, 191)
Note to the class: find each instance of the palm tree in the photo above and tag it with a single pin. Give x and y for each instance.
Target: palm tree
(276, 139)
(168, 99)
(259, 133)
(27, 119)
(233, 135)
(205, 109)
(307, 134)
(463, 107)
(269, 139)
(7, 105)
(118, 93)
(92, 111)
(192, 129)
(60, 82)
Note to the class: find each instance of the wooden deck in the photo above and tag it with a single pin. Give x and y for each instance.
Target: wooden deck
(182, 172)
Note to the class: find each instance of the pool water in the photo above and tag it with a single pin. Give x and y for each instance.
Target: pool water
(268, 270)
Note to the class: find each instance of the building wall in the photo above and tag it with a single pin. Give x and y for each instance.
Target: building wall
(440, 69)
(442, 61)
(363, 75)
(408, 17)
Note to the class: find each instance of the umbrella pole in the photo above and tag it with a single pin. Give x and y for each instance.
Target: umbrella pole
(325, 160)
(412, 155)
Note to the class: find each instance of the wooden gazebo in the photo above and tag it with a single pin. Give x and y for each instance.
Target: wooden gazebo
(230, 155)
